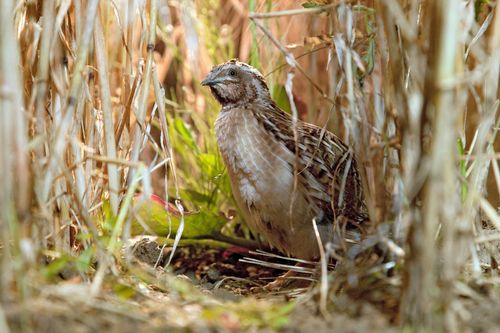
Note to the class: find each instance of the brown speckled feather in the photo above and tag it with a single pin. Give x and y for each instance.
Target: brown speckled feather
(324, 158)
(281, 181)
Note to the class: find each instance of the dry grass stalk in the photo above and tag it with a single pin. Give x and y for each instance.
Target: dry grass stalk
(439, 195)
(109, 135)
(14, 167)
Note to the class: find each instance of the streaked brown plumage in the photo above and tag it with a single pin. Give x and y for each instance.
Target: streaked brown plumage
(281, 182)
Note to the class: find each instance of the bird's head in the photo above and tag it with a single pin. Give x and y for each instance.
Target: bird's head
(235, 82)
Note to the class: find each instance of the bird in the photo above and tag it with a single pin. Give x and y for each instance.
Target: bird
(288, 177)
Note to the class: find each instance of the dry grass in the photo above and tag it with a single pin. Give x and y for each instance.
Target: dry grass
(100, 100)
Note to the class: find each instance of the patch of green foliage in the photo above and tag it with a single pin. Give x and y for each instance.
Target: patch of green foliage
(251, 313)
(81, 263)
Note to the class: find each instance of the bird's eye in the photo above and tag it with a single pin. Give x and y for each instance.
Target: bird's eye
(232, 72)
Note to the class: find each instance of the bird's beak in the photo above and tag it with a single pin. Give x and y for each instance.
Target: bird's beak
(210, 82)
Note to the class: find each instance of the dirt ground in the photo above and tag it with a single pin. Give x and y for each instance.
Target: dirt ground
(210, 290)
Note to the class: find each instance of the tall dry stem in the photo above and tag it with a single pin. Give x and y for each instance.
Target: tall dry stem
(14, 168)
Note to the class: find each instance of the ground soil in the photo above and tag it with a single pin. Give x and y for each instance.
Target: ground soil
(209, 289)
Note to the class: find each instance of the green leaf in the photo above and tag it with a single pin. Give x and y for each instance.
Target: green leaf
(369, 57)
(84, 236)
(195, 196)
(154, 215)
(56, 266)
(478, 7)
(208, 163)
(463, 168)
(252, 313)
(185, 134)
(204, 225)
(123, 291)
(311, 4)
(84, 260)
(109, 218)
(278, 93)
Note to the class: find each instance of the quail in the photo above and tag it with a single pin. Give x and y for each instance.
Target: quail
(285, 175)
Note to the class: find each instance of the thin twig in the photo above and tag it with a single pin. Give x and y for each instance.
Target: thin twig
(289, 58)
(292, 12)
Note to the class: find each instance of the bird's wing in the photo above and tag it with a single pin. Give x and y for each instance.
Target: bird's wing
(325, 166)
(329, 161)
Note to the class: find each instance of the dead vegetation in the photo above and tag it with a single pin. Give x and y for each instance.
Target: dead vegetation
(101, 101)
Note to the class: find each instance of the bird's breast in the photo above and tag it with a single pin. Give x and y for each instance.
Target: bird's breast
(258, 165)
(262, 177)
